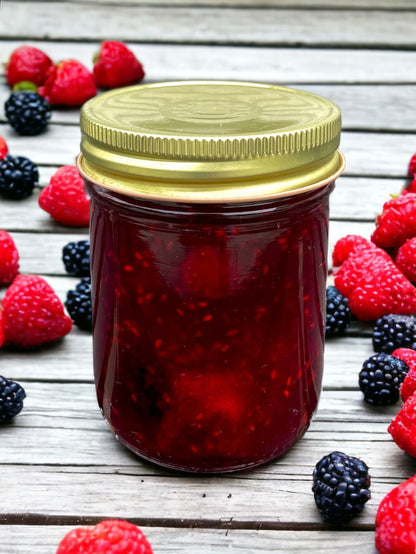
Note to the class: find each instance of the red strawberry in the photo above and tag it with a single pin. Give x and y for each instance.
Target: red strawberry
(397, 222)
(345, 246)
(32, 313)
(65, 198)
(405, 259)
(411, 187)
(116, 66)
(411, 170)
(109, 536)
(28, 64)
(374, 286)
(4, 150)
(359, 264)
(403, 427)
(1, 328)
(69, 83)
(408, 387)
(396, 520)
(9, 258)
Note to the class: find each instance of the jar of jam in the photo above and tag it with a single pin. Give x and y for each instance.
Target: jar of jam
(208, 235)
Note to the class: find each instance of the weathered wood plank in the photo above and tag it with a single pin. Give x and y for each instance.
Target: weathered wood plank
(21, 539)
(346, 203)
(368, 154)
(390, 108)
(262, 64)
(329, 4)
(239, 500)
(40, 20)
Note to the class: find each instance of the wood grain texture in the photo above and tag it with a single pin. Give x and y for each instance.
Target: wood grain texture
(21, 539)
(262, 64)
(199, 25)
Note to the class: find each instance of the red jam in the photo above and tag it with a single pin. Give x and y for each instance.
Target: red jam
(208, 325)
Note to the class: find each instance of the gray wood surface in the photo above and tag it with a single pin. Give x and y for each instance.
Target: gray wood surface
(60, 465)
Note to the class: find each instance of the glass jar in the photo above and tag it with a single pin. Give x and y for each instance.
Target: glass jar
(208, 233)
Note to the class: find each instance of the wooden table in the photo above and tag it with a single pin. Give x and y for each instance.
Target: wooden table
(60, 465)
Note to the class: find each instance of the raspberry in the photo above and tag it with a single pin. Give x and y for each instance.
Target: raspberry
(12, 395)
(69, 83)
(76, 258)
(394, 331)
(18, 177)
(345, 246)
(408, 387)
(65, 199)
(78, 304)
(338, 313)
(396, 520)
(380, 378)
(341, 486)
(373, 285)
(109, 536)
(411, 187)
(9, 258)
(397, 222)
(27, 63)
(405, 259)
(4, 149)
(115, 65)
(32, 313)
(403, 427)
(27, 112)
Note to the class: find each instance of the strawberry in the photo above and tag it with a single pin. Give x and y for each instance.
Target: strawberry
(396, 520)
(1, 328)
(69, 83)
(405, 259)
(411, 170)
(65, 199)
(27, 63)
(115, 65)
(403, 427)
(373, 285)
(32, 313)
(4, 149)
(9, 258)
(411, 187)
(107, 537)
(397, 222)
(408, 387)
(345, 246)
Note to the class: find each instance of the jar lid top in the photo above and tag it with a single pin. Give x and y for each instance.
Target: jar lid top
(201, 131)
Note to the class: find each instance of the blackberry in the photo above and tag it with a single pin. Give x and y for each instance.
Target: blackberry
(78, 304)
(76, 258)
(11, 399)
(380, 378)
(338, 315)
(18, 177)
(394, 331)
(27, 112)
(341, 486)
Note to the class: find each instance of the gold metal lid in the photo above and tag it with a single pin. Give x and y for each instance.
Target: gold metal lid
(210, 140)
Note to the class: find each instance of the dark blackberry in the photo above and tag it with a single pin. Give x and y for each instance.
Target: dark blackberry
(11, 399)
(341, 486)
(394, 331)
(380, 378)
(27, 112)
(78, 304)
(76, 258)
(338, 315)
(18, 177)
